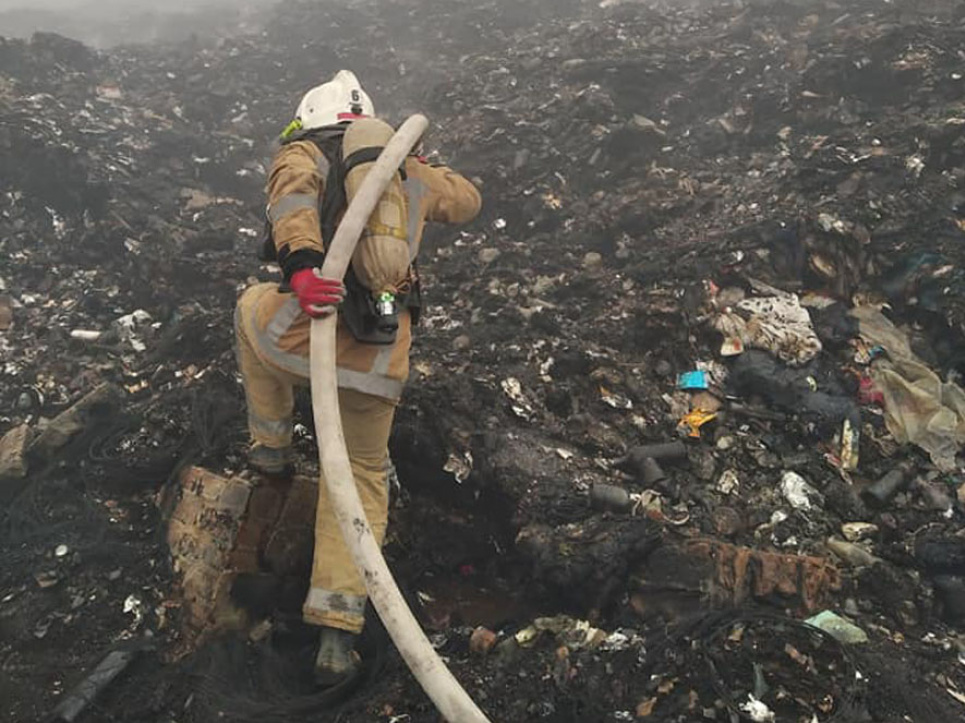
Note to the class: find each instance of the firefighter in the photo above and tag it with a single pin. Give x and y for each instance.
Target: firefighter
(323, 157)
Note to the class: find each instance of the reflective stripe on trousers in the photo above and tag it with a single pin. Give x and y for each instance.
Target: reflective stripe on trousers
(336, 602)
(261, 427)
(374, 382)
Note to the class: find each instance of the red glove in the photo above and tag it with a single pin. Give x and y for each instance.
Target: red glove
(317, 296)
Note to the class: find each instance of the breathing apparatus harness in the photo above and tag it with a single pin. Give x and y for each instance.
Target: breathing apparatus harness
(371, 319)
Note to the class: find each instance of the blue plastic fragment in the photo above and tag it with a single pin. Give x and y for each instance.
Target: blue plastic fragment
(692, 380)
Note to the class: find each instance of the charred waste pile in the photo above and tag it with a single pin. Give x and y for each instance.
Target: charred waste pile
(682, 439)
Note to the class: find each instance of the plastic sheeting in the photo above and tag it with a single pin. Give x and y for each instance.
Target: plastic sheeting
(920, 408)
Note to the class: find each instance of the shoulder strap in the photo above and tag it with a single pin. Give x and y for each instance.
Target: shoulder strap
(333, 200)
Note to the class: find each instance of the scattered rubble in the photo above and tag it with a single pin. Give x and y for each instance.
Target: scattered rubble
(839, 628)
(100, 404)
(13, 456)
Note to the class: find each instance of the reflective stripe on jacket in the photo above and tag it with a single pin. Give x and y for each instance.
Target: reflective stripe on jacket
(297, 180)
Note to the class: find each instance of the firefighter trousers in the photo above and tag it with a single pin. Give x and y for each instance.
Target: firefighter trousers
(337, 596)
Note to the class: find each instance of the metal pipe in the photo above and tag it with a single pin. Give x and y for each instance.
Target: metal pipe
(77, 701)
(652, 473)
(663, 451)
(450, 698)
(880, 493)
(609, 498)
(643, 460)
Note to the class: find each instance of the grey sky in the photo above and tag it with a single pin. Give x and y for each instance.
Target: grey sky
(73, 4)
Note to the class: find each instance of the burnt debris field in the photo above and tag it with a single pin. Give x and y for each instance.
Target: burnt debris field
(732, 229)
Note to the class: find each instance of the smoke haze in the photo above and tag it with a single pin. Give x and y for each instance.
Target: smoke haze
(114, 22)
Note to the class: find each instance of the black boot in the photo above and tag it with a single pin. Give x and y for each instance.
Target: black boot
(337, 660)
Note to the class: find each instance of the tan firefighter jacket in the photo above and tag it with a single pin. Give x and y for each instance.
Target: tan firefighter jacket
(295, 186)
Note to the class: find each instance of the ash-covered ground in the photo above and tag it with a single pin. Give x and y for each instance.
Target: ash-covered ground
(770, 194)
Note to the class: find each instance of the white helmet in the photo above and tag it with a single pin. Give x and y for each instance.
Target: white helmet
(340, 99)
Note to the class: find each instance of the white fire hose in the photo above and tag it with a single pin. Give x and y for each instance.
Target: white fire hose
(450, 698)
